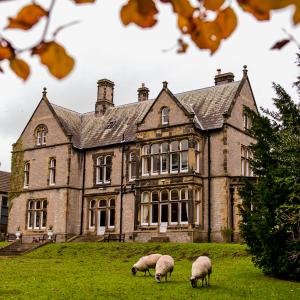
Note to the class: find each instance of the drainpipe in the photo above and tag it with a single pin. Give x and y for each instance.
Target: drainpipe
(121, 188)
(82, 193)
(209, 188)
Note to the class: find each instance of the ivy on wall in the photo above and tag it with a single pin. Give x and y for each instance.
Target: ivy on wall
(17, 173)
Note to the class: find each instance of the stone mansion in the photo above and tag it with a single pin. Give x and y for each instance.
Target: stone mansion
(168, 167)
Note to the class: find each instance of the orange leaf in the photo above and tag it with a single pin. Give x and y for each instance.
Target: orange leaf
(182, 46)
(55, 58)
(184, 24)
(20, 67)
(227, 21)
(6, 52)
(296, 17)
(206, 35)
(27, 17)
(83, 1)
(213, 4)
(140, 12)
(259, 12)
(182, 7)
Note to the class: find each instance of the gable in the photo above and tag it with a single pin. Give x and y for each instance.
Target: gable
(177, 113)
(43, 115)
(245, 98)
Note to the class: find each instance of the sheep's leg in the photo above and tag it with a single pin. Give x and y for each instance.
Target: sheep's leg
(202, 281)
(149, 272)
(208, 279)
(166, 277)
(145, 273)
(205, 280)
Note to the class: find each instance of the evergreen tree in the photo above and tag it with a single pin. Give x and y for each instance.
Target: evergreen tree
(271, 202)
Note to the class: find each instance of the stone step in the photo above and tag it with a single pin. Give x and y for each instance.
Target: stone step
(18, 248)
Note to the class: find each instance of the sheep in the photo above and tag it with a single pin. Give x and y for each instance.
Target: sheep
(145, 263)
(200, 268)
(164, 265)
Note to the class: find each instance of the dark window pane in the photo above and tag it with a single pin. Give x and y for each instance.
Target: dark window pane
(4, 201)
(112, 217)
(108, 173)
(164, 196)
(102, 218)
(184, 160)
(155, 163)
(175, 161)
(164, 213)
(174, 195)
(184, 216)
(44, 220)
(165, 163)
(155, 197)
(174, 212)
(154, 214)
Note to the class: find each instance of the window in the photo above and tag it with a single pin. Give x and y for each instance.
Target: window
(164, 163)
(41, 133)
(246, 120)
(184, 197)
(132, 166)
(184, 147)
(37, 214)
(197, 157)
(246, 156)
(52, 171)
(174, 207)
(174, 155)
(165, 116)
(154, 208)
(4, 210)
(164, 207)
(103, 169)
(26, 174)
(197, 207)
(145, 208)
(155, 164)
(111, 213)
(146, 160)
(92, 214)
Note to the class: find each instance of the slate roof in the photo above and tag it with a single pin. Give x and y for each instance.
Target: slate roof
(208, 104)
(4, 181)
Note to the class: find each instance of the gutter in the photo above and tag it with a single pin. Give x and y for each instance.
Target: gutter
(209, 187)
(82, 192)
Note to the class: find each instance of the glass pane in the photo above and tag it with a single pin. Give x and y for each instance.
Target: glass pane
(174, 146)
(164, 213)
(164, 196)
(145, 214)
(146, 149)
(146, 165)
(155, 149)
(174, 195)
(165, 163)
(112, 217)
(145, 197)
(92, 204)
(154, 213)
(184, 194)
(108, 160)
(37, 204)
(175, 161)
(102, 218)
(184, 209)
(44, 218)
(155, 197)
(155, 163)
(30, 219)
(102, 203)
(184, 145)
(45, 204)
(31, 204)
(37, 219)
(112, 202)
(133, 170)
(184, 160)
(107, 172)
(174, 212)
(92, 218)
(164, 147)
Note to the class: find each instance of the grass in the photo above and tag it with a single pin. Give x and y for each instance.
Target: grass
(102, 271)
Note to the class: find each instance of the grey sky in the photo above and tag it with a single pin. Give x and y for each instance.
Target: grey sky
(104, 48)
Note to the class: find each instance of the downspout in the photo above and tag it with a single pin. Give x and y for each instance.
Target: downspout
(121, 188)
(82, 192)
(209, 187)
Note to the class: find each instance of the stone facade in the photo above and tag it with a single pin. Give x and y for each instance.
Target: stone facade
(165, 169)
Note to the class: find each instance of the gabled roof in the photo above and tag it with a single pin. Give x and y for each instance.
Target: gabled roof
(209, 106)
(4, 181)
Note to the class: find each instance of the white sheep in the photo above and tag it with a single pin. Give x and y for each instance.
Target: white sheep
(200, 269)
(145, 263)
(164, 266)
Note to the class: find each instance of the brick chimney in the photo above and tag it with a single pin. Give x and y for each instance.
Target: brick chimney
(143, 93)
(223, 78)
(105, 96)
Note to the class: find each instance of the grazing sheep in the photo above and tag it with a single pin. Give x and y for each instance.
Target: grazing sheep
(164, 265)
(145, 263)
(200, 268)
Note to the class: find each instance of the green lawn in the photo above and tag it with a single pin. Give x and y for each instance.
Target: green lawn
(103, 271)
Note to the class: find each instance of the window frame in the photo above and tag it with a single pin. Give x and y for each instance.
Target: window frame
(132, 162)
(26, 174)
(165, 118)
(52, 171)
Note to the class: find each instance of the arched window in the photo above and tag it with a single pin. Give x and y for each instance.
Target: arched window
(155, 159)
(184, 147)
(52, 171)
(92, 214)
(145, 208)
(132, 166)
(154, 208)
(41, 134)
(165, 116)
(146, 160)
(111, 213)
(26, 174)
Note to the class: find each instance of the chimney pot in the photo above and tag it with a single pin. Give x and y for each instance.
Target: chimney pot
(165, 84)
(105, 96)
(223, 78)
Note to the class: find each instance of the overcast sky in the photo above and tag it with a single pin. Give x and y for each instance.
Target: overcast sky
(104, 48)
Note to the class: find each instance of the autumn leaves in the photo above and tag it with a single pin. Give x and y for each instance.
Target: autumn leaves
(206, 22)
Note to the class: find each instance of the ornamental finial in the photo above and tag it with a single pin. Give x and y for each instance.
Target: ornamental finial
(44, 92)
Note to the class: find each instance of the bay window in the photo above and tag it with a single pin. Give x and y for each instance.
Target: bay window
(37, 214)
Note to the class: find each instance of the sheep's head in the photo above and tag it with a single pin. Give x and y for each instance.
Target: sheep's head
(157, 277)
(193, 282)
(133, 270)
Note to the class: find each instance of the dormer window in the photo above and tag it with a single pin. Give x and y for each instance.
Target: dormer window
(165, 116)
(41, 133)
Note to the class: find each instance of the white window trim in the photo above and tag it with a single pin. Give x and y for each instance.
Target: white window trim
(52, 171)
(164, 115)
(43, 136)
(26, 175)
(171, 163)
(170, 212)
(130, 175)
(98, 170)
(187, 212)
(143, 167)
(143, 205)
(152, 162)
(180, 162)
(104, 169)
(39, 138)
